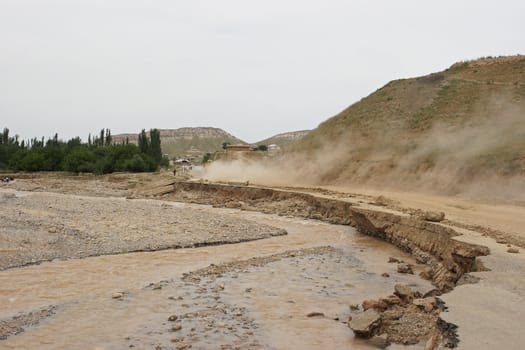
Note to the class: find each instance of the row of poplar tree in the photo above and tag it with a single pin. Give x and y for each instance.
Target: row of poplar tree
(99, 155)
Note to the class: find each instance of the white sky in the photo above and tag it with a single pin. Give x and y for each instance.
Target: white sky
(252, 68)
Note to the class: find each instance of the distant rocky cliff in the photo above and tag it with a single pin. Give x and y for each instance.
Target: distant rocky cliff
(187, 142)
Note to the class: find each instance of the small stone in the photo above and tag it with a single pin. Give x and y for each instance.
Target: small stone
(434, 216)
(403, 291)
(513, 250)
(427, 273)
(117, 295)
(52, 230)
(176, 328)
(374, 304)
(385, 274)
(380, 341)
(248, 290)
(391, 300)
(315, 314)
(354, 307)
(426, 304)
(365, 324)
(393, 260)
(405, 268)
(221, 286)
(173, 318)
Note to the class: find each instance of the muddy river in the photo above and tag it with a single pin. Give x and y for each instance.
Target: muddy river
(142, 300)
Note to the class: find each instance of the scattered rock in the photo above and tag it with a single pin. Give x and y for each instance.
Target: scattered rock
(176, 328)
(117, 295)
(427, 304)
(374, 304)
(391, 300)
(173, 318)
(393, 260)
(315, 314)
(177, 339)
(403, 291)
(379, 341)
(513, 250)
(354, 307)
(405, 268)
(52, 230)
(385, 274)
(434, 216)
(365, 324)
(427, 273)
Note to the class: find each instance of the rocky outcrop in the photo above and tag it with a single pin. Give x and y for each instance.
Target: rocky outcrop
(404, 317)
(186, 141)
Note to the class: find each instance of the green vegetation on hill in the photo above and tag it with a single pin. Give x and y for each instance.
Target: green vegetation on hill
(458, 125)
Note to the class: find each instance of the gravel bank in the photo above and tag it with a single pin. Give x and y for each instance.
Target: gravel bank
(38, 227)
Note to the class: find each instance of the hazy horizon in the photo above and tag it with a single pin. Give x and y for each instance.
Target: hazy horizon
(251, 69)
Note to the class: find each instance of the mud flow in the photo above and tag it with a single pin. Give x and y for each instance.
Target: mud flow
(288, 292)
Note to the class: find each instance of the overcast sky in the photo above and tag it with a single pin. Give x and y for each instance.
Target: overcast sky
(252, 68)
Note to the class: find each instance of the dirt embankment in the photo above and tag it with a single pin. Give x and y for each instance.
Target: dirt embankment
(432, 244)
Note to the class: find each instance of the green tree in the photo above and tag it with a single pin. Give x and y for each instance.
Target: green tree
(108, 137)
(206, 158)
(143, 142)
(154, 149)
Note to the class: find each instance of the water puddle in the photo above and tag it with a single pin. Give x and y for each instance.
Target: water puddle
(259, 305)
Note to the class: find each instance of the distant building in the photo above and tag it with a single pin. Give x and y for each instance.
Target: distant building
(238, 152)
(182, 161)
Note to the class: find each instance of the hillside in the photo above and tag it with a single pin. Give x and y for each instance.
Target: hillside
(187, 142)
(284, 138)
(459, 130)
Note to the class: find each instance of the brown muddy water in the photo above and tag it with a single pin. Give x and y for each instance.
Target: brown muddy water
(248, 306)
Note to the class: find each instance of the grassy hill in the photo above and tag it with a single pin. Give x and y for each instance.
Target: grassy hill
(187, 142)
(443, 131)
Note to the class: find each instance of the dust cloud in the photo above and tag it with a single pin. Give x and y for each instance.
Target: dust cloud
(483, 159)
